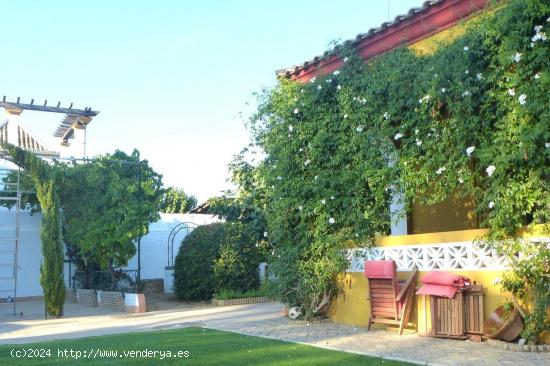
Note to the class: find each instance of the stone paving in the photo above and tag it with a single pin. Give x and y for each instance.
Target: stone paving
(262, 320)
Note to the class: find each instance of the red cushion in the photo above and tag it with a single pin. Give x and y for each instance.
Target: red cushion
(380, 269)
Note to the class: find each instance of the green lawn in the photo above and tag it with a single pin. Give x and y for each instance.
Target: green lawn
(205, 347)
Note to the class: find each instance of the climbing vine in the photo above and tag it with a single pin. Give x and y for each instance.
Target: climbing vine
(470, 119)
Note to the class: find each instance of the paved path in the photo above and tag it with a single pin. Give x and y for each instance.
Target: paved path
(264, 320)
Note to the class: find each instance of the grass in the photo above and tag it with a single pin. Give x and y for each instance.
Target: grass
(204, 346)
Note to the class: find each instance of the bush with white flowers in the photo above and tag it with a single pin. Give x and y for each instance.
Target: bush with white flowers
(417, 125)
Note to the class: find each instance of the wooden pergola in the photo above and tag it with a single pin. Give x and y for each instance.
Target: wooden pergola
(74, 118)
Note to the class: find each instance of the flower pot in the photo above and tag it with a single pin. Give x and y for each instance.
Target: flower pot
(500, 325)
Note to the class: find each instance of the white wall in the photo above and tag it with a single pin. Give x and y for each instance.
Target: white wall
(154, 249)
(30, 254)
(154, 246)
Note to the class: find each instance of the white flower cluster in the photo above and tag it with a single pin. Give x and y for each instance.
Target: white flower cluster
(479, 76)
(336, 73)
(443, 90)
(312, 80)
(539, 35)
(398, 136)
(511, 91)
(490, 170)
(466, 48)
(359, 129)
(466, 93)
(331, 221)
(491, 204)
(339, 87)
(522, 99)
(296, 111)
(418, 142)
(440, 170)
(517, 57)
(360, 100)
(425, 98)
(386, 115)
(470, 150)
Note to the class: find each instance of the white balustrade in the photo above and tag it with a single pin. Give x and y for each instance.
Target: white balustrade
(465, 255)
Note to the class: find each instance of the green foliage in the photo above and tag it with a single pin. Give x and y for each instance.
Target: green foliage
(529, 282)
(107, 204)
(28, 200)
(471, 120)
(194, 265)
(175, 200)
(51, 269)
(46, 180)
(236, 267)
(214, 258)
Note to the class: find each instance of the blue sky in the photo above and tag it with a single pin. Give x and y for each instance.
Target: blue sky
(171, 78)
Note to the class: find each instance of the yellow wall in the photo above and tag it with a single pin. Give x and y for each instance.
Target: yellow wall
(452, 214)
(428, 45)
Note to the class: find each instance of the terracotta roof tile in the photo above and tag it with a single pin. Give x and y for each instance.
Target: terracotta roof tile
(361, 37)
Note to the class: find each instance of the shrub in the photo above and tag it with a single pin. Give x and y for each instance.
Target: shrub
(193, 270)
(236, 268)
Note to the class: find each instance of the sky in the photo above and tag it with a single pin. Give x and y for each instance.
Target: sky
(174, 79)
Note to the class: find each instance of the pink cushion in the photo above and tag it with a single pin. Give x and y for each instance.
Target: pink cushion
(438, 290)
(442, 284)
(380, 269)
(445, 278)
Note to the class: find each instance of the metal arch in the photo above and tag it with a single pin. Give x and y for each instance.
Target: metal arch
(188, 226)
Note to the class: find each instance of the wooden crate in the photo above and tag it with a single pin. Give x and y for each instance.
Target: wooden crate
(460, 317)
(473, 314)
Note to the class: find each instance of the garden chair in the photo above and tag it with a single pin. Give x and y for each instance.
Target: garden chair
(391, 301)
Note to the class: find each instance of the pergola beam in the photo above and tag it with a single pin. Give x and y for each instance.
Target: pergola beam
(86, 112)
